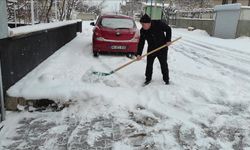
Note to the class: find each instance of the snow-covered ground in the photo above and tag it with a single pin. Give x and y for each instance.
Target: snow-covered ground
(111, 6)
(206, 105)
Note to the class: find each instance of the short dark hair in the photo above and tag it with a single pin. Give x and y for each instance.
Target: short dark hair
(145, 19)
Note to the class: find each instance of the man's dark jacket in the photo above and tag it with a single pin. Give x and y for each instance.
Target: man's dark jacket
(158, 35)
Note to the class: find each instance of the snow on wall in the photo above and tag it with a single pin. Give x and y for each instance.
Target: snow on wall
(227, 7)
(38, 27)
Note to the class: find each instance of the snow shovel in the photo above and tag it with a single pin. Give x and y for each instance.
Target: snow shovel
(130, 62)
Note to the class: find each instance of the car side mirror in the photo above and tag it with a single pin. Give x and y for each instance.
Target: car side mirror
(92, 24)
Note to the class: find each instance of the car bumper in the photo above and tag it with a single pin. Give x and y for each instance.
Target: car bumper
(115, 46)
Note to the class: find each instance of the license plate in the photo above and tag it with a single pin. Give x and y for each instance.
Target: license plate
(118, 47)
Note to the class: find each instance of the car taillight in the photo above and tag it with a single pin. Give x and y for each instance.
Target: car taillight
(136, 37)
(98, 34)
(99, 38)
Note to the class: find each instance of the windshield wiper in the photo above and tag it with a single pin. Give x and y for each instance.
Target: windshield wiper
(122, 28)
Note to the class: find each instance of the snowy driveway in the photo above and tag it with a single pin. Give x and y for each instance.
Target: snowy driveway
(206, 105)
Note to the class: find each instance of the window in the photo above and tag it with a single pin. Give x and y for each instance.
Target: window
(117, 23)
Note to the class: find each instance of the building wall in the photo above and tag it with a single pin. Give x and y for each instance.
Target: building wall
(205, 24)
(243, 28)
(86, 16)
(219, 2)
(245, 14)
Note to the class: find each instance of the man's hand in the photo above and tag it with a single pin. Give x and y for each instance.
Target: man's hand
(168, 43)
(138, 57)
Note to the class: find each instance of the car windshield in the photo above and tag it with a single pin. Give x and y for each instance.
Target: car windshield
(117, 23)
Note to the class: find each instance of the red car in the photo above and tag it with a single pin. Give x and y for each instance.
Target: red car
(116, 34)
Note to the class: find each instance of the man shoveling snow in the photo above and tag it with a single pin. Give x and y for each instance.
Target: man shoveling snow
(157, 33)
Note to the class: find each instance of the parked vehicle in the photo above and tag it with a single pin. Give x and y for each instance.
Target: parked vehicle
(116, 34)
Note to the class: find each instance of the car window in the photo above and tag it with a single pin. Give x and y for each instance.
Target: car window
(117, 23)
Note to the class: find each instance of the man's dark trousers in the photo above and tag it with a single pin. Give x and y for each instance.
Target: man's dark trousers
(162, 57)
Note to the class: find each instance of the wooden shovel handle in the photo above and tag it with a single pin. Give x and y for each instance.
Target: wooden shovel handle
(153, 51)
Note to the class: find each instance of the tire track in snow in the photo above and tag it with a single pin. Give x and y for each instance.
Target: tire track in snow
(217, 52)
(221, 66)
(197, 77)
(214, 46)
(185, 51)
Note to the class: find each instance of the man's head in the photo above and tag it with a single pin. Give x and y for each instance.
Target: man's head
(145, 22)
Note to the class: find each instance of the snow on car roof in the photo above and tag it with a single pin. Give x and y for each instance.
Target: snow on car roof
(115, 15)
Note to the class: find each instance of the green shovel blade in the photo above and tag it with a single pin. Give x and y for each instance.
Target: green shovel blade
(102, 73)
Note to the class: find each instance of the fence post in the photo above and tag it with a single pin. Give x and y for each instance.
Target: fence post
(1, 96)
(3, 34)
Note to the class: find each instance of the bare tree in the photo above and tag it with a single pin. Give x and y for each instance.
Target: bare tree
(43, 9)
(48, 11)
(61, 9)
(190, 5)
(88, 7)
(234, 1)
(43, 5)
(71, 5)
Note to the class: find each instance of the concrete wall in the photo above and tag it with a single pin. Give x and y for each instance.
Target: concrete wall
(245, 13)
(86, 16)
(206, 25)
(21, 54)
(243, 28)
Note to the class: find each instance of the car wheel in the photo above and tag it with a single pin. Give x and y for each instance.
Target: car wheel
(130, 55)
(96, 54)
